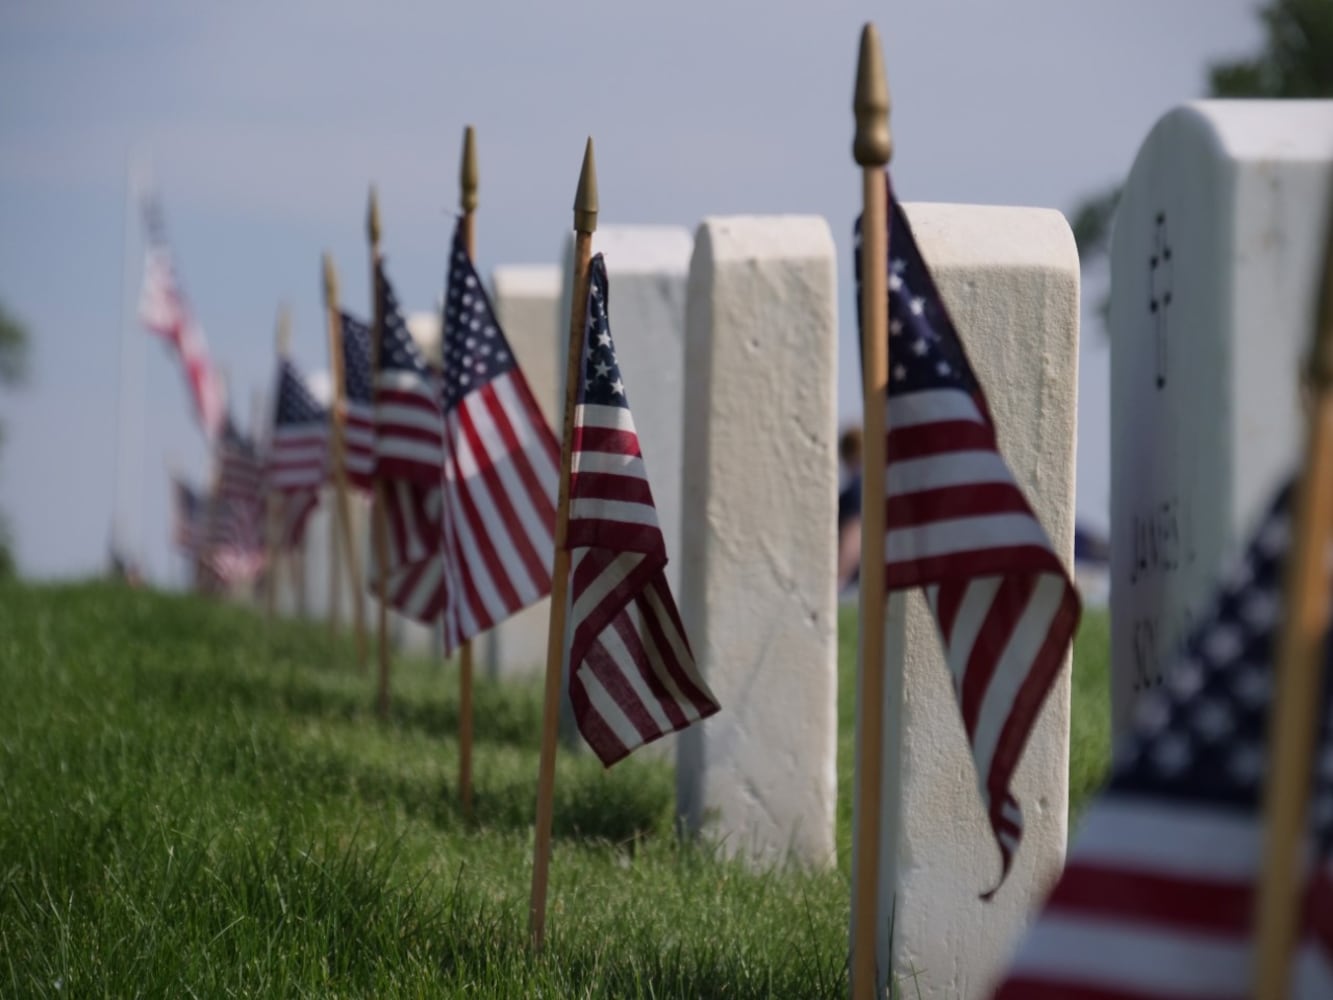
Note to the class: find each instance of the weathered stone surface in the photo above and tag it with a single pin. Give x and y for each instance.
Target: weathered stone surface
(1215, 260)
(759, 509)
(1010, 278)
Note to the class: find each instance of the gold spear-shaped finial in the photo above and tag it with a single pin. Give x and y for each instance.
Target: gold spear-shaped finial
(373, 218)
(873, 145)
(284, 330)
(330, 281)
(467, 172)
(585, 201)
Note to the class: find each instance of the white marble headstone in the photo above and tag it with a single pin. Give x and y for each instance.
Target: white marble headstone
(1217, 244)
(1010, 279)
(759, 505)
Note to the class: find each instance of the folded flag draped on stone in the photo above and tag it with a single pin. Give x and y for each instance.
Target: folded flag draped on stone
(298, 455)
(1157, 897)
(164, 311)
(633, 675)
(500, 467)
(359, 396)
(234, 547)
(409, 462)
(958, 526)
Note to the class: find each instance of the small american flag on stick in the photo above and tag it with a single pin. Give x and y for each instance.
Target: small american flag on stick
(633, 676)
(1157, 898)
(958, 526)
(299, 453)
(234, 546)
(409, 460)
(359, 398)
(500, 466)
(188, 509)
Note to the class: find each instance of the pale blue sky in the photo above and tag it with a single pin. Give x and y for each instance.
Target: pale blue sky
(266, 123)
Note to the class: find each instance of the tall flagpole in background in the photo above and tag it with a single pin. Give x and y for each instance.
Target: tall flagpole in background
(467, 186)
(127, 512)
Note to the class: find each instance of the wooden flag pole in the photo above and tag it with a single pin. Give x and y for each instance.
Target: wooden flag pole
(871, 149)
(585, 224)
(1293, 718)
(467, 186)
(272, 504)
(342, 523)
(381, 528)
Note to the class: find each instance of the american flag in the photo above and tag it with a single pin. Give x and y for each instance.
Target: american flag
(500, 467)
(409, 461)
(188, 509)
(1157, 896)
(958, 526)
(234, 546)
(634, 678)
(164, 311)
(359, 394)
(298, 455)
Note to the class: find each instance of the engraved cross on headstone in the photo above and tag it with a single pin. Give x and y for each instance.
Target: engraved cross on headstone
(1159, 276)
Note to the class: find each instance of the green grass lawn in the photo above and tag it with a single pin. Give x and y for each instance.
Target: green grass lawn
(192, 804)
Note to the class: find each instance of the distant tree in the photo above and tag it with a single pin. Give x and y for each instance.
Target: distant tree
(13, 370)
(1296, 61)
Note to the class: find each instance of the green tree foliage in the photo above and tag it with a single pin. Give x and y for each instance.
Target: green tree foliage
(13, 370)
(1296, 60)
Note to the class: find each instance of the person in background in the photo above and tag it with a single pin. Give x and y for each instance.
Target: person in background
(849, 508)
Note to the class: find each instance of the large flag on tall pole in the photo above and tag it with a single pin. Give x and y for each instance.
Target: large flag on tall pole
(163, 310)
(409, 461)
(500, 466)
(958, 526)
(633, 677)
(298, 454)
(1157, 898)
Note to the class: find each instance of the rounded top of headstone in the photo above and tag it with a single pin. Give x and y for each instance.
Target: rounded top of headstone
(768, 237)
(527, 279)
(978, 235)
(320, 384)
(641, 249)
(425, 330)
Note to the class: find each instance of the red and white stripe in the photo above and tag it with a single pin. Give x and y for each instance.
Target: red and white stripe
(1157, 903)
(163, 311)
(958, 525)
(299, 457)
(634, 678)
(500, 480)
(409, 456)
(359, 443)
